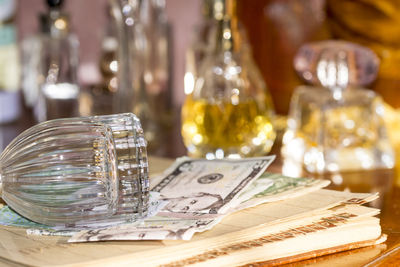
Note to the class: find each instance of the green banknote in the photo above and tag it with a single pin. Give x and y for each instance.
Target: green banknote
(11, 218)
(281, 188)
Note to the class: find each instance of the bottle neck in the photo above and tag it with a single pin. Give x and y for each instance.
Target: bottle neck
(214, 9)
(218, 9)
(225, 38)
(228, 38)
(55, 23)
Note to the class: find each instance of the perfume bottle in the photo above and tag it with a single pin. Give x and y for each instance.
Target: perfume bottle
(99, 100)
(229, 113)
(132, 51)
(157, 72)
(335, 125)
(77, 171)
(50, 62)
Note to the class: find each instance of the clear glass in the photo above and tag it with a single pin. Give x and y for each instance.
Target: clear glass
(336, 126)
(157, 71)
(130, 54)
(229, 113)
(69, 172)
(59, 94)
(50, 65)
(144, 64)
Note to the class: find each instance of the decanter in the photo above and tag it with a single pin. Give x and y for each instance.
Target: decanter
(50, 65)
(143, 80)
(229, 113)
(157, 73)
(335, 125)
(78, 171)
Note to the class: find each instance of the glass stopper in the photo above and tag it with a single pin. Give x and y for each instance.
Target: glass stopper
(336, 64)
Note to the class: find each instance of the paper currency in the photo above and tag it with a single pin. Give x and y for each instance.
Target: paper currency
(183, 223)
(207, 186)
(283, 187)
(199, 192)
(156, 228)
(320, 202)
(9, 217)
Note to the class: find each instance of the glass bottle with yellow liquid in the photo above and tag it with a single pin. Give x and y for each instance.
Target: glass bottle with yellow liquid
(229, 113)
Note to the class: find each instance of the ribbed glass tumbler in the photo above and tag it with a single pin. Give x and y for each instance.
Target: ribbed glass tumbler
(78, 171)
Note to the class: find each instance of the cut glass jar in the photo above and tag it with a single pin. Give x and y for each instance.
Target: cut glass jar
(78, 171)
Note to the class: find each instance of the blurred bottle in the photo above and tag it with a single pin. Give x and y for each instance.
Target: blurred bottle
(157, 70)
(130, 95)
(104, 93)
(98, 100)
(229, 113)
(336, 125)
(109, 64)
(144, 66)
(51, 63)
(9, 64)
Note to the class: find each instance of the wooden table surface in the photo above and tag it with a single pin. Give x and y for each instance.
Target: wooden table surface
(15, 245)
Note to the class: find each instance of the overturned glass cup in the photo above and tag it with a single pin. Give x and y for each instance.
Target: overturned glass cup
(75, 171)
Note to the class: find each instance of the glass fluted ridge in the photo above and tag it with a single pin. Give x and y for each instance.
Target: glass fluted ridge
(69, 171)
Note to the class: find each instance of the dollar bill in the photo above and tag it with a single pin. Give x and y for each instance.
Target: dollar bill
(207, 186)
(9, 217)
(155, 228)
(281, 187)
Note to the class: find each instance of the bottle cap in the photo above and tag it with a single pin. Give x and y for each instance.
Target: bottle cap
(336, 64)
(54, 3)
